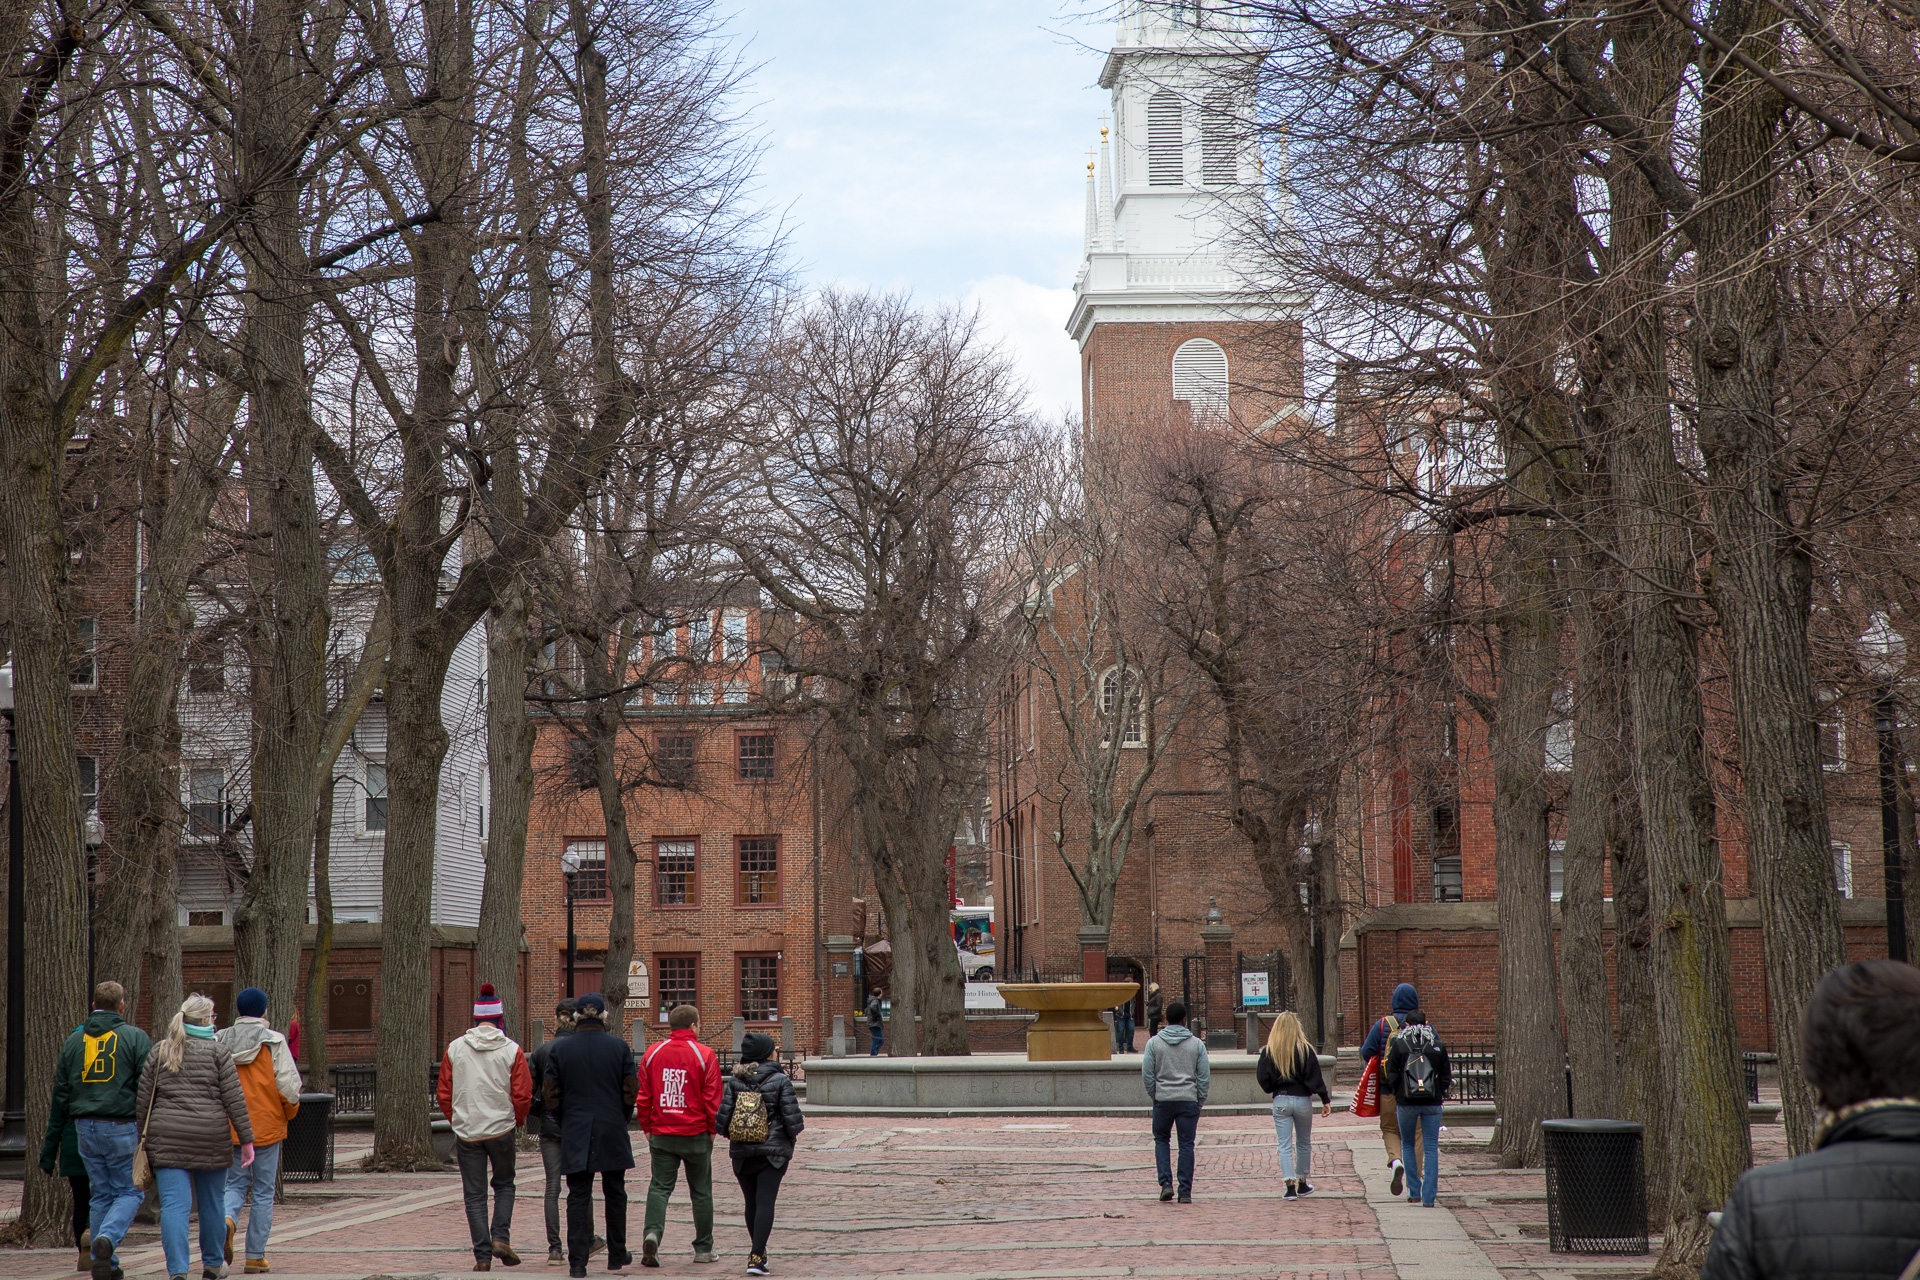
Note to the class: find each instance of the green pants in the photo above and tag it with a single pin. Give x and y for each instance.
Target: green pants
(669, 1153)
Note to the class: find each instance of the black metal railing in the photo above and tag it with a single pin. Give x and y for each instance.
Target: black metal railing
(1476, 1074)
(354, 1089)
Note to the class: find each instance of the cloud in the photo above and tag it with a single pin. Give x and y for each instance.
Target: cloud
(1029, 322)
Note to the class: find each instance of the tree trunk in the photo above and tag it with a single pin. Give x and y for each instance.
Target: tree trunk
(509, 798)
(903, 984)
(604, 722)
(1641, 1096)
(313, 1017)
(1762, 569)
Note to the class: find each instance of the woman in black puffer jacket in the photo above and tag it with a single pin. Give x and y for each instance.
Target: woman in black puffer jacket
(1851, 1206)
(759, 1166)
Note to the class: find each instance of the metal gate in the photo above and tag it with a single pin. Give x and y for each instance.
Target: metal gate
(1193, 990)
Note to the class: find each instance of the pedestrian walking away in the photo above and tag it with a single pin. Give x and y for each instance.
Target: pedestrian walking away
(1123, 1027)
(263, 1058)
(1405, 1001)
(60, 1153)
(192, 1108)
(679, 1098)
(1176, 1074)
(96, 1087)
(590, 1084)
(1851, 1206)
(1418, 1074)
(876, 1020)
(1154, 1015)
(1289, 1070)
(760, 1116)
(547, 1126)
(485, 1092)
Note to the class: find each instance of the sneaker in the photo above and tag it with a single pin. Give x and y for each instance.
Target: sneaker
(1166, 1194)
(556, 1256)
(231, 1225)
(1186, 1197)
(756, 1265)
(704, 1256)
(504, 1251)
(213, 1273)
(596, 1246)
(650, 1251)
(257, 1266)
(1306, 1188)
(1399, 1182)
(1293, 1193)
(102, 1266)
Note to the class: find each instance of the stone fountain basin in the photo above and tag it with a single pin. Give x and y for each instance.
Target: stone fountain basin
(1069, 1028)
(1056, 997)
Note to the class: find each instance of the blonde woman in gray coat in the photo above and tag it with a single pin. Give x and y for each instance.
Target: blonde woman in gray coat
(189, 1095)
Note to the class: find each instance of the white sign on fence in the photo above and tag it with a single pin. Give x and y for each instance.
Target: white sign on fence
(984, 996)
(1253, 990)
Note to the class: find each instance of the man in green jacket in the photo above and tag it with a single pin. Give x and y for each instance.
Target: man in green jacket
(95, 1086)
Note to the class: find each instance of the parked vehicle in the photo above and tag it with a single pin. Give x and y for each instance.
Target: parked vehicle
(973, 938)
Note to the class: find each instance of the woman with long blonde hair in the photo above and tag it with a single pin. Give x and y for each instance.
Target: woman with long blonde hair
(1289, 1070)
(192, 1114)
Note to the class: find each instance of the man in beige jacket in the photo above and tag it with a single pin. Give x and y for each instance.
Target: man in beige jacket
(485, 1091)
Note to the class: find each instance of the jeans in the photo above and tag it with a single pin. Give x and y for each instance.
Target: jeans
(613, 1189)
(1421, 1119)
(1123, 1031)
(550, 1158)
(669, 1153)
(1293, 1127)
(107, 1147)
(876, 1036)
(183, 1192)
(760, 1185)
(1167, 1116)
(259, 1178)
(474, 1158)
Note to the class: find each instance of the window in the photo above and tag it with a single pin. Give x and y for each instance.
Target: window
(676, 873)
(589, 883)
(673, 756)
(700, 693)
(1833, 739)
(1556, 869)
(1560, 733)
(759, 875)
(350, 1004)
(1166, 161)
(375, 818)
(1843, 869)
(1447, 882)
(1219, 130)
(679, 982)
(89, 783)
(666, 695)
(206, 663)
(733, 635)
(1200, 377)
(760, 988)
(206, 801)
(663, 641)
(580, 767)
(700, 636)
(85, 672)
(756, 757)
(1111, 693)
(734, 693)
(203, 918)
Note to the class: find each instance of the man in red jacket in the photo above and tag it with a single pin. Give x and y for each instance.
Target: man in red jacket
(680, 1095)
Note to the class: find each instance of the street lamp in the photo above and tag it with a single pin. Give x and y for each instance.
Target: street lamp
(1885, 655)
(13, 1134)
(570, 863)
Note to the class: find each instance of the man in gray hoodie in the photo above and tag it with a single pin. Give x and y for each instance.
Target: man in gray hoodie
(1175, 1071)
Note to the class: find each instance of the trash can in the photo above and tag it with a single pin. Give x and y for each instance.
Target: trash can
(308, 1153)
(1596, 1187)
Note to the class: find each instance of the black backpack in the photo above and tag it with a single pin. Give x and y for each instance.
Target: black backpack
(1419, 1078)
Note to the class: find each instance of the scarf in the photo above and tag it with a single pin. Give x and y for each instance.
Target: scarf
(199, 1031)
(1829, 1119)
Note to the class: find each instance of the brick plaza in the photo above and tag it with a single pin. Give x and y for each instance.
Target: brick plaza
(981, 1198)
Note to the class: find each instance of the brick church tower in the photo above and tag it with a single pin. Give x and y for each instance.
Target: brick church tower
(1175, 313)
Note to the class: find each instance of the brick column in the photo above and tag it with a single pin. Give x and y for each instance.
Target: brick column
(842, 998)
(1218, 940)
(1093, 952)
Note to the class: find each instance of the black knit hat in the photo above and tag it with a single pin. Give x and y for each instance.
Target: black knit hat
(755, 1047)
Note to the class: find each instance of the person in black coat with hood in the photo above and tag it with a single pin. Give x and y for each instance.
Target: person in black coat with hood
(759, 1166)
(590, 1083)
(1851, 1206)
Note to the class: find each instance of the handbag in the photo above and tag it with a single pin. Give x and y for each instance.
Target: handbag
(143, 1167)
(1366, 1095)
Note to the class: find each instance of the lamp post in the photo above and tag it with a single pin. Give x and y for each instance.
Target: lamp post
(13, 1134)
(1885, 654)
(570, 863)
(1316, 934)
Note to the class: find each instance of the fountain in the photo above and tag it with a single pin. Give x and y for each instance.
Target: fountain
(1069, 1028)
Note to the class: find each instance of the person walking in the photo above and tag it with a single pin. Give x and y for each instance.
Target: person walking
(590, 1084)
(96, 1086)
(192, 1108)
(485, 1092)
(1154, 1015)
(271, 1082)
(60, 1151)
(876, 1020)
(760, 1134)
(1405, 1001)
(548, 1130)
(1846, 1208)
(1123, 1027)
(1417, 1071)
(1289, 1070)
(679, 1098)
(1175, 1070)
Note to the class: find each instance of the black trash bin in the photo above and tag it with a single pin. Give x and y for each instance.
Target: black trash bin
(1596, 1187)
(308, 1153)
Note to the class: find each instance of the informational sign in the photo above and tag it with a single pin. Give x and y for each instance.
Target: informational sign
(1253, 990)
(985, 996)
(638, 995)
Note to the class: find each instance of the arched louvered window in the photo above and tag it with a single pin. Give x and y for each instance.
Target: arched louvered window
(1219, 136)
(1200, 377)
(1166, 160)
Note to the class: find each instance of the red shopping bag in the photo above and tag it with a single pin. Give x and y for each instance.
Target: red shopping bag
(1366, 1096)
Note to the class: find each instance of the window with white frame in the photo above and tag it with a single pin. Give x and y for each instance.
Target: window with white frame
(1166, 143)
(663, 641)
(1556, 869)
(206, 801)
(1843, 869)
(733, 635)
(1120, 706)
(700, 636)
(1833, 736)
(373, 815)
(85, 671)
(734, 693)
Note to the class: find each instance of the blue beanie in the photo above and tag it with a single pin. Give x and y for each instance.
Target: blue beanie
(592, 1005)
(251, 1003)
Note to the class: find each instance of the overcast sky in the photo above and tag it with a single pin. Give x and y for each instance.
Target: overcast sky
(938, 148)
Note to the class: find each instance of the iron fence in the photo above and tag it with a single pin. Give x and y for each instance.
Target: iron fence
(1476, 1075)
(353, 1090)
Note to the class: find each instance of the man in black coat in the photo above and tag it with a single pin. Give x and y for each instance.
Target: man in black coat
(546, 1127)
(1851, 1206)
(590, 1083)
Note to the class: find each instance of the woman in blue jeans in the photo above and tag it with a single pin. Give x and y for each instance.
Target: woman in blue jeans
(189, 1094)
(1289, 1070)
(1417, 1072)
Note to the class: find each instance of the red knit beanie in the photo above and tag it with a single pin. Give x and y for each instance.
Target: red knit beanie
(488, 1007)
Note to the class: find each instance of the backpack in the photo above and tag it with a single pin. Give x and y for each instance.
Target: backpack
(1418, 1079)
(750, 1123)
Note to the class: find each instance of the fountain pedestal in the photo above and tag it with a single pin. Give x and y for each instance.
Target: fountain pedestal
(1068, 1028)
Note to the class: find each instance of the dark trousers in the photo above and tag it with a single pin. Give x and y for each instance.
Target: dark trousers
(876, 1037)
(1168, 1116)
(759, 1183)
(82, 1206)
(474, 1159)
(613, 1188)
(550, 1160)
(1123, 1030)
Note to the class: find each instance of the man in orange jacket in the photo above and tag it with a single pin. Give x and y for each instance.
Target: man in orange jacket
(680, 1094)
(271, 1083)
